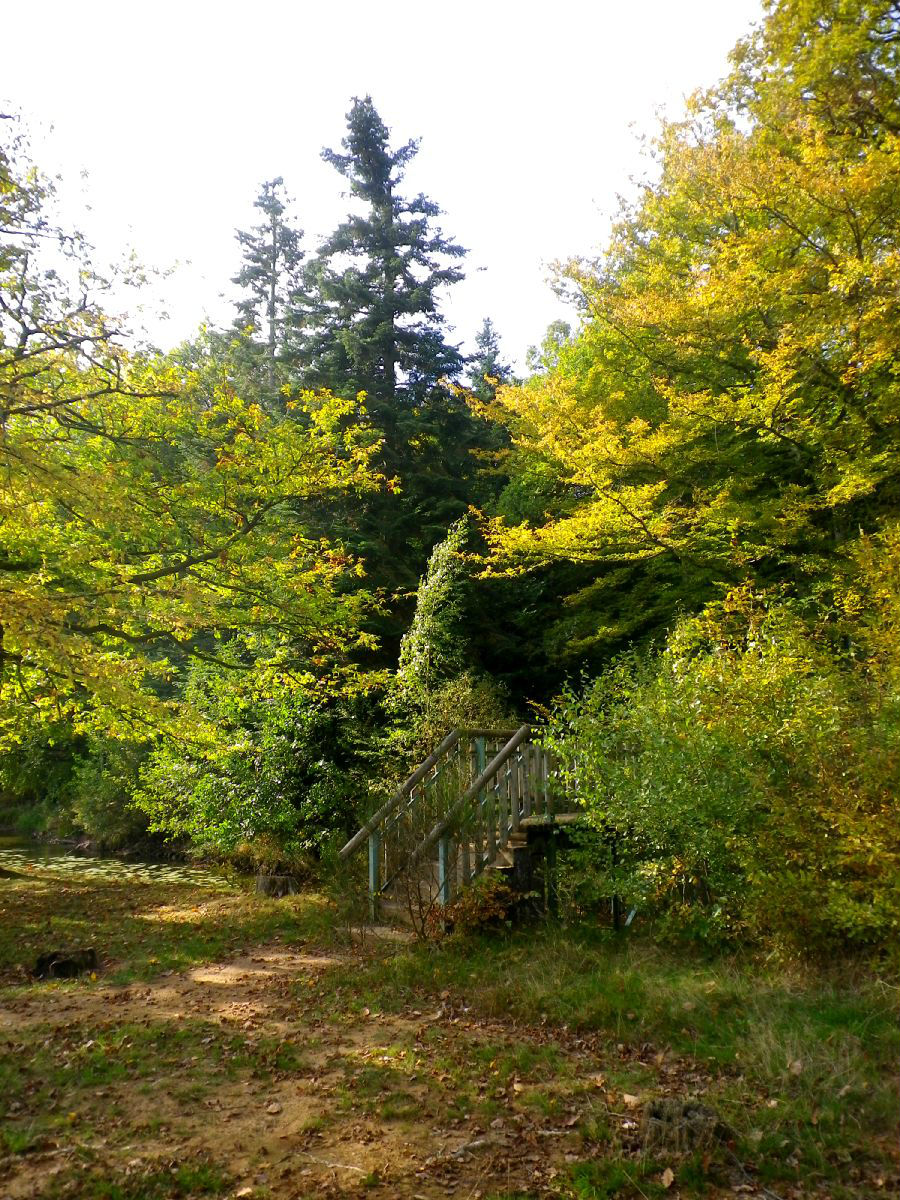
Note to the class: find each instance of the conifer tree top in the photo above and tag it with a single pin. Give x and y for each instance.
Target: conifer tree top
(373, 322)
(371, 167)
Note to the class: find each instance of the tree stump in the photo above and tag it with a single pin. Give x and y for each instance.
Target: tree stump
(680, 1126)
(65, 964)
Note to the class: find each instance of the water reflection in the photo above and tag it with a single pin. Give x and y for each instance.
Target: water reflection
(40, 861)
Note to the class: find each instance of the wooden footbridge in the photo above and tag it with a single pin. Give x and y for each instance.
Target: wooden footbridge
(484, 800)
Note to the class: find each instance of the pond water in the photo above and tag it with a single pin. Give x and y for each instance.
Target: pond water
(40, 860)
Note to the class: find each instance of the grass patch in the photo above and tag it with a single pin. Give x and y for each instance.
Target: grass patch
(142, 929)
(186, 1180)
(799, 1062)
(18, 1140)
(58, 1081)
(604, 1180)
(561, 1030)
(379, 1090)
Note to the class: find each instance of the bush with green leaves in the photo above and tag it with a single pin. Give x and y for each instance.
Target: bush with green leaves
(102, 785)
(282, 780)
(747, 774)
(35, 778)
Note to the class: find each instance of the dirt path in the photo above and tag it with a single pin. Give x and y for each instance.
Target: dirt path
(316, 1105)
(240, 1047)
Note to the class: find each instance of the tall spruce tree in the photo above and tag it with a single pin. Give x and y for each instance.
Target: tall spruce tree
(270, 278)
(376, 326)
(372, 323)
(486, 368)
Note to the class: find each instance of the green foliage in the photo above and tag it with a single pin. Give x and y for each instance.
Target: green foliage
(433, 650)
(270, 278)
(728, 410)
(59, 783)
(104, 779)
(471, 700)
(720, 436)
(282, 780)
(148, 510)
(486, 367)
(35, 779)
(717, 436)
(372, 326)
(746, 778)
(534, 491)
(187, 1180)
(438, 686)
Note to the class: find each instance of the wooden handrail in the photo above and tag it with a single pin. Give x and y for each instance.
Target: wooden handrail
(400, 795)
(472, 791)
(489, 733)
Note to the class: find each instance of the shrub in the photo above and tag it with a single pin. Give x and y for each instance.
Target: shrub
(748, 775)
(61, 783)
(483, 906)
(282, 780)
(100, 795)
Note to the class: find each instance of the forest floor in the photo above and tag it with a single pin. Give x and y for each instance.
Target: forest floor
(242, 1047)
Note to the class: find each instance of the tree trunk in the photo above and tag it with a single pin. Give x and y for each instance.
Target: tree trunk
(273, 276)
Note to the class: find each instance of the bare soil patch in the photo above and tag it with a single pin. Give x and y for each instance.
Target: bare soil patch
(350, 1112)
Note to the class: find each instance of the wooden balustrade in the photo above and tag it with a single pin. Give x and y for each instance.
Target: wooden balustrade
(458, 810)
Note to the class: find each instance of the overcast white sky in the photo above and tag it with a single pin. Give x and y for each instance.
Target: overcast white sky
(529, 117)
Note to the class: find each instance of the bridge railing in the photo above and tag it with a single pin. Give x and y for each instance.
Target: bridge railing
(457, 811)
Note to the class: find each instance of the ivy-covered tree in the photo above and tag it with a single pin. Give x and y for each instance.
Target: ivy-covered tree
(440, 682)
(270, 279)
(433, 649)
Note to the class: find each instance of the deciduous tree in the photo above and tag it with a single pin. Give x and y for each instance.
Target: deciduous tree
(731, 407)
(148, 512)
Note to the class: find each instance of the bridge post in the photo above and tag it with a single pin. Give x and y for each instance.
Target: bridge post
(552, 873)
(374, 873)
(616, 902)
(480, 750)
(480, 756)
(444, 880)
